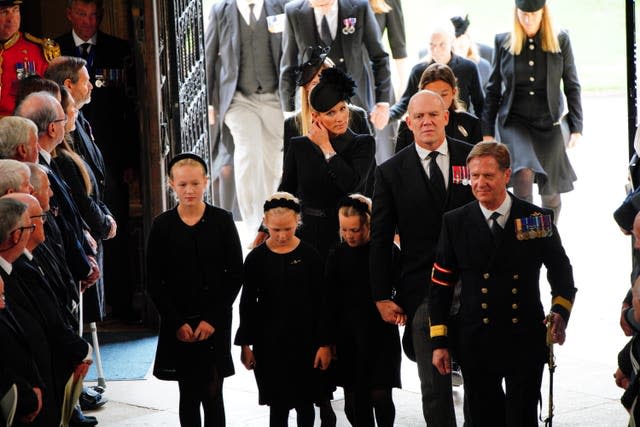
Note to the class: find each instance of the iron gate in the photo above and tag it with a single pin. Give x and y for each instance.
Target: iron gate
(183, 80)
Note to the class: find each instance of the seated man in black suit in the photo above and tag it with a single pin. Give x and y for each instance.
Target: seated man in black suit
(495, 247)
(412, 191)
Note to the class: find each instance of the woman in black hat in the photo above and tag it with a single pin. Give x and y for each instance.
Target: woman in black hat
(464, 46)
(463, 126)
(194, 266)
(524, 95)
(315, 61)
(328, 163)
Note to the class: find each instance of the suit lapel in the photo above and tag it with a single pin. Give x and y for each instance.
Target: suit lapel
(480, 239)
(345, 10)
(230, 26)
(308, 25)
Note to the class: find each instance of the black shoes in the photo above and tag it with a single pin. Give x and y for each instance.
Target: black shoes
(78, 419)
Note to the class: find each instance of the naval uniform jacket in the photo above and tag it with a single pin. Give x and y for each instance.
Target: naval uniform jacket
(404, 201)
(364, 57)
(500, 89)
(500, 313)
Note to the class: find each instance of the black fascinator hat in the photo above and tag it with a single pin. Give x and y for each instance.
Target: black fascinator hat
(312, 60)
(334, 86)
(460, 24)
(530, 5)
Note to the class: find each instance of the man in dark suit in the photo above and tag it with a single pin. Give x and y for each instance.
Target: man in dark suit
(349, 28)
(243, 48)
(495, 247)
(412, 191)
(111, 123)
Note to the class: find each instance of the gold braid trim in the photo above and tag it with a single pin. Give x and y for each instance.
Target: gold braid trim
(50, 48)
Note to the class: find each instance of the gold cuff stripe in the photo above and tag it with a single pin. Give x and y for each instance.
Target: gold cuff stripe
(438, 331)
(563, 302)
(434, 280)
(439, 268)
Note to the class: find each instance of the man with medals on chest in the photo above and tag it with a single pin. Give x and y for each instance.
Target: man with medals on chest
(21, 54)
(494, 247)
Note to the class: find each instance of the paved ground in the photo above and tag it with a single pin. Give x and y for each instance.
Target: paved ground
(585, 394)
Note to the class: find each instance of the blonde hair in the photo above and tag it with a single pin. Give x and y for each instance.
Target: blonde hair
(516, 40)
(281, 209)
(186, 162)
(349, 211)
(380, 6)
(303, 119)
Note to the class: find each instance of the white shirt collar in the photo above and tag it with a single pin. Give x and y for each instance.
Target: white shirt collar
(332, 18)
(504, 209)
(6, 266)
(47, 156)
(28, 254)
(78, 41)
(243, 8)
(423, 153)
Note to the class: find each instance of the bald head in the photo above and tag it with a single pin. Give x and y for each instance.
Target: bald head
(46, 112)
(427, 119)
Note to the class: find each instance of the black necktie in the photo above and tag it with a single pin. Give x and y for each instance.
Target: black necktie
(252, 17)
(495, 227)
(325, 32)
(84, 50)
(435, 175)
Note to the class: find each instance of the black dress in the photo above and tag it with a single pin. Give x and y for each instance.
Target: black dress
(462, 126)
(283, 315)
(367, 348)
(194, 274)
(320, 184)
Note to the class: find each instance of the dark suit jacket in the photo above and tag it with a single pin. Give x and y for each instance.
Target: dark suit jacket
(403, 200)
(469, 87)
(222, 42)
(366, 61)
(393, 22)
(501, 87)
(500, 312)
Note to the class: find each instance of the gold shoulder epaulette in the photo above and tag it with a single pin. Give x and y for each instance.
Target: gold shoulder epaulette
(50, 48)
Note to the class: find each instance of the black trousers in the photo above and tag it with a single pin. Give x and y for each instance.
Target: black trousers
(491, 405)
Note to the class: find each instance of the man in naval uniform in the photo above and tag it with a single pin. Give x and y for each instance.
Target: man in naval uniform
(495, 246)
(21, 54)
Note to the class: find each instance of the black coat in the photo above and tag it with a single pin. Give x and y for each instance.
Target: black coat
(469, 87)
(560, 67)
(393, 22)
(195, 273)
(404, 202)
(500, 308)
(462, 126)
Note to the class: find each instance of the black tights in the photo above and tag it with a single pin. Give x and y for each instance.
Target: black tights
(522, 182)
(361, 405)
(209, 395)
(279, 415)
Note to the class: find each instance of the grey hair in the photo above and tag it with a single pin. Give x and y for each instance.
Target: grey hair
(40, 108)
(11, 211)
(10, 178)
(14, 131)
(63, 68)
(36, 174)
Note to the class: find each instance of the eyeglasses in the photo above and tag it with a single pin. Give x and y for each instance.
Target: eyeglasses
(30, 228)
(63, 120)
(42, 216)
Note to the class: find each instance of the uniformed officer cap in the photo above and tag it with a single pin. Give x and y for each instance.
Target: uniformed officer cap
(9, 3)
(530, 5)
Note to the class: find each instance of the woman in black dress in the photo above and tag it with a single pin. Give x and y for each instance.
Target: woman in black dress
(194, 266)
(463, 126)
(367, 348)
(283, 330)
(524, 95)
(329, 162)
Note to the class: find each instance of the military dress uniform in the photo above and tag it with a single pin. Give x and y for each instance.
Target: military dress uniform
(21, 56)
(501, 332)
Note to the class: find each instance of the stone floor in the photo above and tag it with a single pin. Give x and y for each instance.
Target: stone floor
(585, 394)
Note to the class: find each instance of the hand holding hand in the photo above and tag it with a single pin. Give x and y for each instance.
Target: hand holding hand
(380, 115)
(323, 358)
(203, 331)
(185, 333)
